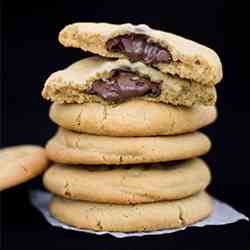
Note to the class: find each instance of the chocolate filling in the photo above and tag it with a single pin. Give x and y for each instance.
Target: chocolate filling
(123, 85)
(137, 48)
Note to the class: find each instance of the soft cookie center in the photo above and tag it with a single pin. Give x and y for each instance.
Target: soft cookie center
(138, 48)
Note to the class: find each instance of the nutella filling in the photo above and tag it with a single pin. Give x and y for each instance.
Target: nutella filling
(123, 85)
(138, 48)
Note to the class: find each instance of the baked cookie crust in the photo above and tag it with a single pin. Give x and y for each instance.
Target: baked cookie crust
(190, 60)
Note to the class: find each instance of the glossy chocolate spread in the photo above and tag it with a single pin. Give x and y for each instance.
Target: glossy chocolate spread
(138, 48)
(123, 85)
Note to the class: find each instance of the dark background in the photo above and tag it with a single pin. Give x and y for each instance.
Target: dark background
(31, 52)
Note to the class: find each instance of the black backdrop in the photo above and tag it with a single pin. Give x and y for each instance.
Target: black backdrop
(31, 52)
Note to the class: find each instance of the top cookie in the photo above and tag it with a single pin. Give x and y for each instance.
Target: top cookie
(21, 163)
(170, 53)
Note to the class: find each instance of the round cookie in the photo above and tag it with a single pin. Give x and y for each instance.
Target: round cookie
(21, 163)
(131, 218)
(132, 118)
(128, 184)
(74, 148)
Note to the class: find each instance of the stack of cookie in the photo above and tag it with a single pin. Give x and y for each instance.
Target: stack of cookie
(126, 153)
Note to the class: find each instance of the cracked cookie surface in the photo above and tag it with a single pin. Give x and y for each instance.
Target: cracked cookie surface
(132, 118)
(74, 148)
(130, 184)
(132, 218)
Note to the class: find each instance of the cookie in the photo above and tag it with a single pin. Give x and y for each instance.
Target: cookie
(74, 148)
(108, 81)
(20, 164)
(132, 218)
(132, 118)
(128, 184)
(169, 53)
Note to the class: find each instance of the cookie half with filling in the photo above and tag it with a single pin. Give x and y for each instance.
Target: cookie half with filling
(169, 53)
(100, 80)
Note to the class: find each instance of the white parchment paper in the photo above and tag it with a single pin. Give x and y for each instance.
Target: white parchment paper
(223, 214)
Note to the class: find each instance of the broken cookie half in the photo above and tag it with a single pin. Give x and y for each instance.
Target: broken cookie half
(109, 81)
(167, 52)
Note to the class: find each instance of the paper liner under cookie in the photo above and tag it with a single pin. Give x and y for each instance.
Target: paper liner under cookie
(223, 214)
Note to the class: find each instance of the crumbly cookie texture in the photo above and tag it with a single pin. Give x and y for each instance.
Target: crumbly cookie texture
(21, 163)
(128, 184)
(70, 85)
(190, 60)
(73, 148)
(132, 218)
(132, 118)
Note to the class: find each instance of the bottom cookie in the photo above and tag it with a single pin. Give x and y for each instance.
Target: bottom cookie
(132, 218)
